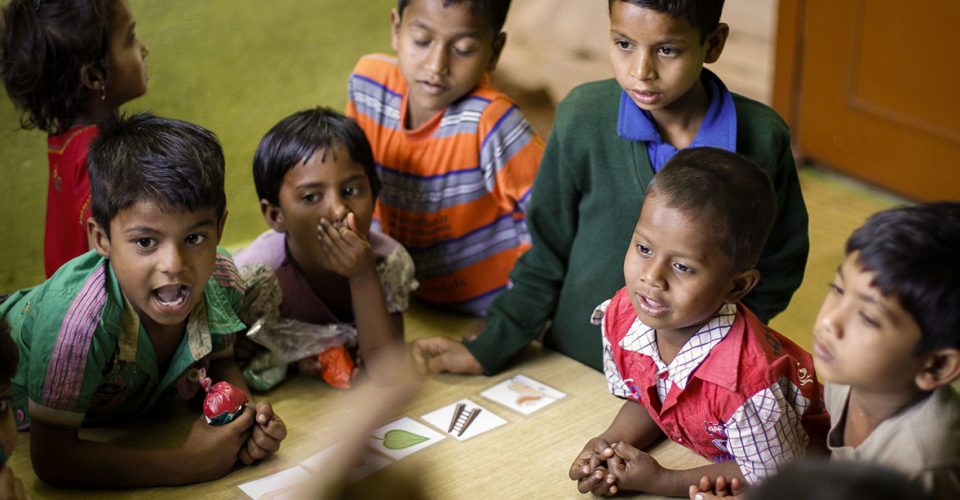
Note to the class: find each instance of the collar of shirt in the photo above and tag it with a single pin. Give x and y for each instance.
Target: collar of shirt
(643, 339)
(719, 127)
(211, 316)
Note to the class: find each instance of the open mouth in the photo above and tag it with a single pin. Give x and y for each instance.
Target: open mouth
(432, 88)
(171, 295)
(652, 307)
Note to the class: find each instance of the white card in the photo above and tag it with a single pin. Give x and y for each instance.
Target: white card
(523, 394)
(443, 419)
(363, 465)
(403, 437)
(285, 485)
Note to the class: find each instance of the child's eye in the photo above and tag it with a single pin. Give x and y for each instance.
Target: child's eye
(352, 191)
(668, 51)
(835, 288)
(868, 320)
(196, 239)
(464, 52)
(310, 198)
(643, 249)
(421, 42)
(623, 44)
(145, 243)
(683, 268)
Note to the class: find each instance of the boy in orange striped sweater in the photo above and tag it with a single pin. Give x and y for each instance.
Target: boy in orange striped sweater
(456, 157)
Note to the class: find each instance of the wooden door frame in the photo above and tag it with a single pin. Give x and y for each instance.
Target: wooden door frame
(788, 58)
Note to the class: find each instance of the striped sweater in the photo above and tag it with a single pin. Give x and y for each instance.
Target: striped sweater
(455, 190)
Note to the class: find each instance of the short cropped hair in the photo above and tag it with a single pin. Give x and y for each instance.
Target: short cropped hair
(297, 137)
(45, 44)
(495, 11)
(9, 355)
(913, 253)
(704, 15)
(143, 157)
(727, 192)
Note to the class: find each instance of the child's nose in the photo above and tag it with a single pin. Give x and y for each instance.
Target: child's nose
(651, 276)
(643, 67)
(438, 60)
(172, 260)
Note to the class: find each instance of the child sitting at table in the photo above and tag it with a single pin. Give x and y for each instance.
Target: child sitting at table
(117, 328)
(693, 362)
(887, 345)
(10, 486)
(317, 184)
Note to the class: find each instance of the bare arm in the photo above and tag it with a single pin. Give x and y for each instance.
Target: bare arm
(60, 457)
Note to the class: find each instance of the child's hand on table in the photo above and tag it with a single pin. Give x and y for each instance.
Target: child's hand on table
(212, 450)
(633, 468)
(721, 488)
(590, 469)
(346, 252)
(443, 354)
(267, 434)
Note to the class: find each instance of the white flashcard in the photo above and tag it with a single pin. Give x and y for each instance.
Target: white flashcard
(284, 485)
(360, 466)
(403, 437)
(523, 394)
(463, 419)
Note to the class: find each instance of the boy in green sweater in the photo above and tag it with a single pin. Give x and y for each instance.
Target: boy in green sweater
(609, 139)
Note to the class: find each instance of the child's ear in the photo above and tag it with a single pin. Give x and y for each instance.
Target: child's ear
(940, 368)
(741, 284)
(715, 42)
(273, 216)
(97, 238)
(92, 78)
(395, 29)
(498, 44)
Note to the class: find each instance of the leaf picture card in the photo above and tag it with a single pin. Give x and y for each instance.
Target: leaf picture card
(402, 438)
(287, 484)
(523, 394)
(464, 419)
(361, 466)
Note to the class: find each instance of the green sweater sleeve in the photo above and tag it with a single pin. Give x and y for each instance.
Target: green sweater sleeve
(764, 137)
(521, 313)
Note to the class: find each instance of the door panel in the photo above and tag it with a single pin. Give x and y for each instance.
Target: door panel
(879, 92)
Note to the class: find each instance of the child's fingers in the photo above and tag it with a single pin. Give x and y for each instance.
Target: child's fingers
(275, 429)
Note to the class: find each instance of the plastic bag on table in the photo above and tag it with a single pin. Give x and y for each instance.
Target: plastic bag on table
(289, 340)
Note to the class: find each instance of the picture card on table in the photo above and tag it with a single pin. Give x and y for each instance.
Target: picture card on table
(360, 466)
(286, 484)
(403, 437)
(464, 419)
(523, 394)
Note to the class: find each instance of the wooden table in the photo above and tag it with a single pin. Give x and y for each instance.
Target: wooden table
(527, 458)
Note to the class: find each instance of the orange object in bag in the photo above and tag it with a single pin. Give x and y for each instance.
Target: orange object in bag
(337, 366)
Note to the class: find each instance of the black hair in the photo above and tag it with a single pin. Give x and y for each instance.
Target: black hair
(495, 11)
(822, 479)
(144, 157)
(9, 355)
(297, 137)
(913, 253)
(727, 192)
(45, 45)
(704, 15)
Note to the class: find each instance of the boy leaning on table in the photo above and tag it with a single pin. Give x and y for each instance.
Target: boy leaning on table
(691, 360)
(116, 329)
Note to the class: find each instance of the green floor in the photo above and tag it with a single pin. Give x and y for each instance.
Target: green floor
(236, 67)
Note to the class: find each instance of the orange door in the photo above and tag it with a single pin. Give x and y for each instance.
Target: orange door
(872, 88)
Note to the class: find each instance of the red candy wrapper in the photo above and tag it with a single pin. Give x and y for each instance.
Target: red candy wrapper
(224, 401)
(337, 366)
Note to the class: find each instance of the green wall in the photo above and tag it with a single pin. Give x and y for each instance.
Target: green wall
(235, 67)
